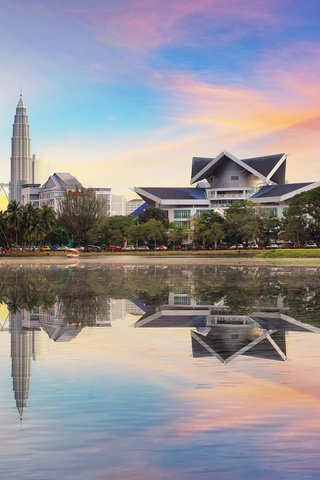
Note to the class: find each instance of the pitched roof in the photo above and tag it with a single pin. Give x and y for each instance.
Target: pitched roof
(263, 164)
(198, 163)
(263, 167)
(279, 190)
(60, 180)
(176, 193)
(139, 209)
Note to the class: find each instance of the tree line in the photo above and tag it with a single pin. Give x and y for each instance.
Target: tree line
(82, 219)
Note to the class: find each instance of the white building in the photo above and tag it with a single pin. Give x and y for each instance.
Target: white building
(225, 179)
(30, 194)
(40, 169)
(103, 193)
(54, 189)
(118, 205)
(132, 205)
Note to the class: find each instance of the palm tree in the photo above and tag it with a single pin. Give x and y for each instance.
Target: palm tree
(47, 219)
(4, 226)
(14, 217)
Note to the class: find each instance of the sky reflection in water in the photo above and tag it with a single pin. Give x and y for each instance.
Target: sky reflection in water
(159, 372)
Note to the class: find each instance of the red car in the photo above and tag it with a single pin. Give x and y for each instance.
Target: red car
(111, 248)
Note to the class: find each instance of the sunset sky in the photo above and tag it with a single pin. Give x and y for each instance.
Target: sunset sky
(125, 93)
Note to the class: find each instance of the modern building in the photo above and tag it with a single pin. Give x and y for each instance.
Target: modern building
(54, 189)
(133, 205)
(118, 205)
(222, 180)
(104, 194)
(30, 194)
(40, 169)
(21, 162)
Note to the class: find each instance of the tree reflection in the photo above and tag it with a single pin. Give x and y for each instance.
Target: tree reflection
(83, 293)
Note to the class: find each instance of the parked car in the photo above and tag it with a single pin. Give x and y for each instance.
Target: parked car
(287, 245)
(272, 245)
(91, 248)
(311, 245)
(128, 248)
(112, 248)
(162, 247)
(236, 247)
(45, 249)
(144, 248)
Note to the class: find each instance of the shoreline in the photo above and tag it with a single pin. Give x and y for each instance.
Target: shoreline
(113, 259)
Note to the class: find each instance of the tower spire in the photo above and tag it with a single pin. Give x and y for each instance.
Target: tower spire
(21, 164)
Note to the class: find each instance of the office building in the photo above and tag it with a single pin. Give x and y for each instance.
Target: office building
(21, 163)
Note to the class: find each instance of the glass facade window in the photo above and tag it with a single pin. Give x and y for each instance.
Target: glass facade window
(182, 300)
(273, 211)
(198, 212)
(181, 213)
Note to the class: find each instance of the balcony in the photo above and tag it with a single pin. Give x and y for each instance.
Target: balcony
(232, 195)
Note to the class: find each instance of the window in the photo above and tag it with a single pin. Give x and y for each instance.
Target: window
(234, 177)
(181, 213)
(199, 212)
(182, 300)
(272, 211)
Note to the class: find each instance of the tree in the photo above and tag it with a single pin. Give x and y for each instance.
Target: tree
(4, 228)
(155, 231)
(241, 222)
(295, 229)
(177, 233)
(202, 224)
(269, 227)
(14, 217)
(79, 213)
(306, 203)
(215, 234)
(137, 233)
(113, 230)
(155, 214)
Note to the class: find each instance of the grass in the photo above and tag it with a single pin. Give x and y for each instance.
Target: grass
(268, 254)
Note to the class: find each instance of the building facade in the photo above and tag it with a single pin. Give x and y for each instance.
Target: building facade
(222, 180)
(118, 205)
(133, 205)
(104, 194)
(21, 162)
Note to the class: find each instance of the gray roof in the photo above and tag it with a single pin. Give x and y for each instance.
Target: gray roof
(263, 164)
(60, 181)
(176, 193)
(279, 190)
(198, 163)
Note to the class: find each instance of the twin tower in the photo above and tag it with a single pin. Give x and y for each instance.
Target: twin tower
(22, 162)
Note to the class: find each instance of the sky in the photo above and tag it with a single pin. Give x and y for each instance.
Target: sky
(124, 94)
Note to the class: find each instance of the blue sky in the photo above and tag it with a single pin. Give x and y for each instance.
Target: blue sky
(124, 94)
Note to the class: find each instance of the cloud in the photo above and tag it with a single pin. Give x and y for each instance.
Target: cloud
(148, 24)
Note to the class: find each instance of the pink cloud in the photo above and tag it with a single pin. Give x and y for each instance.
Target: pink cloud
(145, 24)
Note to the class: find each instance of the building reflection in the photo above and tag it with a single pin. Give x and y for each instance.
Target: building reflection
(218, 332)
(27, 329)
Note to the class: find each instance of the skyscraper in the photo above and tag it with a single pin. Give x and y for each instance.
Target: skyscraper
(21, 164)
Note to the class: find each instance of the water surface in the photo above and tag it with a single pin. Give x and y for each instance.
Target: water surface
(159, 371)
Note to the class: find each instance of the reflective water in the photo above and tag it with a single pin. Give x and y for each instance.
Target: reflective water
(163, 372)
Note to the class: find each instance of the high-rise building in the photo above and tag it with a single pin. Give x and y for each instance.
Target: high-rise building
(40, 170)
(118, 205)
(104, 194)
(132, 205)
(21, 164)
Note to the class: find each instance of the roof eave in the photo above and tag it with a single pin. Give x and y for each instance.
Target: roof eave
(275, 168)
